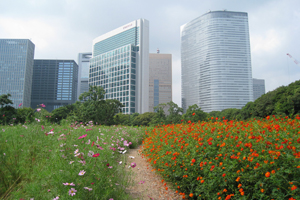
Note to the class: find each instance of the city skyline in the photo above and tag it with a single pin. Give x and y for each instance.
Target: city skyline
(58, 32)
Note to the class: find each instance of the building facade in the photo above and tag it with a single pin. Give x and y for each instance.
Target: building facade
(83, 72)
(160, 79)
(54, 83)
(16, 65)
(120, 64)
(216, 61)
(258, 88)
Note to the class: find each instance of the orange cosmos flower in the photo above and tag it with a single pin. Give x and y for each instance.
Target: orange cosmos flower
(193, 113)
(273, 171)
(262, 190)
(191, 195)
(267, 174)
(193, 160)
(202, 181)
(238, 179)
(294, 187)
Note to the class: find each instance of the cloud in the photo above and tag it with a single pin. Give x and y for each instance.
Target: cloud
(41, 33)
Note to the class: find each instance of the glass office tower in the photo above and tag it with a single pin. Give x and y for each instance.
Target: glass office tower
(83, 72)
(216, 61)
(258, 88)
(16, 64)
(54, 83)
(120, 64)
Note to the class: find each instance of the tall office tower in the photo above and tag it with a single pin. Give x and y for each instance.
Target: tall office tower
(120, 64)
(216, 62)
(258, 88)
(16, 64)
(160, 79)
(54, 83)
(83, 72)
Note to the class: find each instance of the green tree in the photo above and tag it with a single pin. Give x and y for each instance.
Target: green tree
(61, 113)
(143, 119)
(160, 116)
(4, 100)
(111, 107)
(25, 114)
(194, 113)
(175, 112)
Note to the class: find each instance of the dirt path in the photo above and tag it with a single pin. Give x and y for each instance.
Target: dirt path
(147, 184)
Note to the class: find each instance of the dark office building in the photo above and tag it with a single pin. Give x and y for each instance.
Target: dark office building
(54, 83)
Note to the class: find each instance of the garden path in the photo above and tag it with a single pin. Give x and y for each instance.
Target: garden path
(147, 184)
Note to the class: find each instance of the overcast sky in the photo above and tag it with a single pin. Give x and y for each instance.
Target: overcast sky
(60, 29)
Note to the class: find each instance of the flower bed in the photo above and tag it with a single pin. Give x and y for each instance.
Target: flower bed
(220, 159)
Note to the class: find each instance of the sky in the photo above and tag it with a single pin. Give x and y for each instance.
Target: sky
(60, 29)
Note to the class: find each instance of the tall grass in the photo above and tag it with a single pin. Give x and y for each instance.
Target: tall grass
(45, 162)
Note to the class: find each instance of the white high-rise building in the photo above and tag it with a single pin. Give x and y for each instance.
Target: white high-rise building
(216, 61)
(120, 64)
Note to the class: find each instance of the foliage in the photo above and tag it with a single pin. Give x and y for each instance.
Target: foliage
(222, 159)
(194, 114)
(175, 113)
(95, 108)
(25, 114)
(4, 100)
(61, 113)
(143, 119)
(160, 116)
(41, 158)
(7, 114)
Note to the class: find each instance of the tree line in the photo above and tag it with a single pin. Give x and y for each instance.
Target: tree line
(283, 101)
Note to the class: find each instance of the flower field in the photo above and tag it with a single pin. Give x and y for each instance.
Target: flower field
(221, 159)
(78, 161)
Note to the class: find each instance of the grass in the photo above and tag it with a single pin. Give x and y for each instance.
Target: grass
(36, 160)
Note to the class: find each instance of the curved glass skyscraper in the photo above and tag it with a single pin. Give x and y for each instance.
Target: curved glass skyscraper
(216, 61)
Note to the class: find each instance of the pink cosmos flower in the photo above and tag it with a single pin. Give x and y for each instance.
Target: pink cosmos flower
(110, 167)
(38, 109)
(83, 136)
(42, 105)
(72, 192)
(20, 104)
(88, 188)
(96, 155)
(72, 184)
(43, 127)
(81, 173)
(133, 165)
